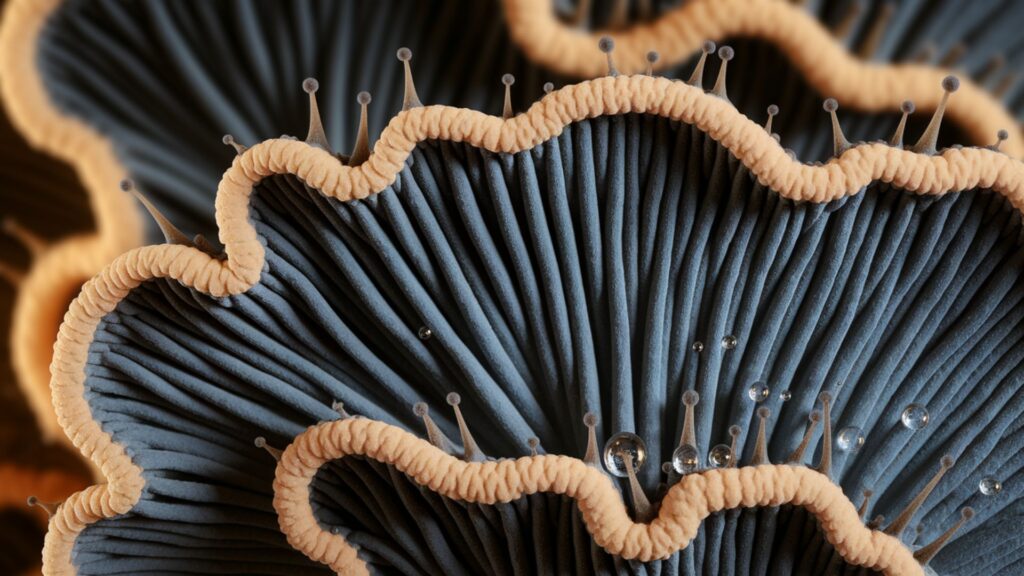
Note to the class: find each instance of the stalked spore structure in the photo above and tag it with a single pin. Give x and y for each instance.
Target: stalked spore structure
(229, 140)
(315, 136)
(773, 111)
(761, 444)
(928, 142)
(1001, 136)
(548, 87)
(925, 553)
(49, 507)
(697, 76)
(607, 46)
(825, 464)
(172, 235)
(907, 108)
(339, 407)
(261, 442)
(725, 54)
(508, 80)
(470, 451)
(434, 433)
(533, 443)
(361, 151)
(797, 457)
(901, 522)
(592, 457)
(652, 59)
(862, 510)
(839, 142)
(641, 505)
(410, 99)
(734, 440)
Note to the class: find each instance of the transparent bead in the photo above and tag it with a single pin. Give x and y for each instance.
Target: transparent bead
(729, 342)
(720, 456)
(989, 486)
(914, 417)
(624, 442)
(759, 391)
(425, 333)
(685, 459)
(785, 395)
(698, 347)
(850, 439)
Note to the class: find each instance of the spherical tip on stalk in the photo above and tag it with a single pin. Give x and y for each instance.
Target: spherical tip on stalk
(420, 409)
(310, 85)
(364, 98)
(260, 442)
(735, 431)
(691, 397)
(589, 420)
(453, 399)
(126, 185)
(726, 53)
(548, 87)
(814, 416)
(404, 54)
(708, 47)
(508, 79)
(967, 513)
(830, 105)
(907, 107)
(763, 412)
(606, 44)
(825, 397)
(947, 461)
(950, 83)
(773, 110)
(652, 57)
(227, 139)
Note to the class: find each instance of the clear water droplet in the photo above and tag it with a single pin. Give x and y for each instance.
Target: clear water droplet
(785, 395)
(850, 439)
(759, 391)
(698, 347)
(720, 456)
(989, 486)
(729, 342)
(915, 417)
(624, 442)
(685, 459)
(425, 333)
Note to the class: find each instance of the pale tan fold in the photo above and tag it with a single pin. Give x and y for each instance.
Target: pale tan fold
(683, 508)
(57, 274)
(954, 170)
(825, 64)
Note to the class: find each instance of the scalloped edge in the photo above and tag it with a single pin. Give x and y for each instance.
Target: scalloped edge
(953, 170)
(683, 509)
(827, 66)
(66, 264)
(533, 26)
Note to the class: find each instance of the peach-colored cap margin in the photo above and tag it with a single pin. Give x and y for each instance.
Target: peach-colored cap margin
(532, 24)
(683, 508)
(953, 170)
